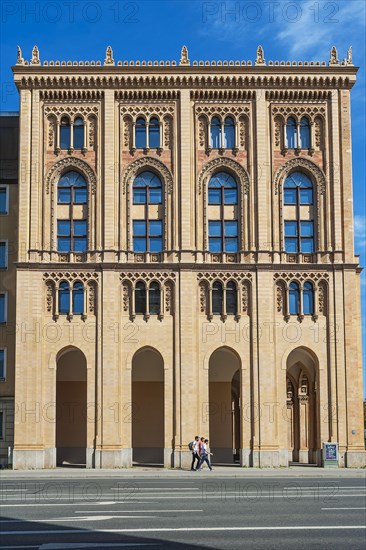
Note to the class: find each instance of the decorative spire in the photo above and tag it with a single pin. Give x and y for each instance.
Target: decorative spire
(20, 59)
(35, 56)
(184, 56)
(109, 56)
(349, 56)
(333, 56)
(260, 56)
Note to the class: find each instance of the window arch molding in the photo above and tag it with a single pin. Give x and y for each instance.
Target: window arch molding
(241, 177)
(318, 179)
(127, 178)
(51, 183)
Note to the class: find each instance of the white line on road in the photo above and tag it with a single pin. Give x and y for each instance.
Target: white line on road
(186, 529)
(86, 518)
(60, 546)
(344, 508)
(138, 488)
(131, 511)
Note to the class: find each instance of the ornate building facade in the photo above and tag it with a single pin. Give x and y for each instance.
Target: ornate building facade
(186, 263)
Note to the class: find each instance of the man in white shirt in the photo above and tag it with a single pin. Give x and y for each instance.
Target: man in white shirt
(195, 455)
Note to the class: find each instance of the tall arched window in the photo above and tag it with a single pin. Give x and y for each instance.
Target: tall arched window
(223, 233)
(299, 230)
(140, 133)
(231, 299)
(229, 133)
(147, 232)
(78, 298)
(154, 133)
(147, 189)
(308, 299)
(78, 133)
(215, 133)
(64, 298)
(154, 299)
(294, 299)
(72, 231)
(65, 133)
(140, 298)
(217, 298)
(304, 133)
(291, 133)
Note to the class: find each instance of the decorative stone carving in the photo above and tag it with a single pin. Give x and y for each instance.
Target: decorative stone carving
(92, 132)
(277, 132)
(71, 110)
(147, 162)
(169, 297)
(302, 276)
(167, 132)
(184, 56)
(70, 276)
(91, 298)
(135, 109)
(245, 297)
(20, 59)
(322, 298)
(201, 131)
(125, 295)
(35, 56)
(223, 163)
(71, 162)
(243, 131)
(148, 276)
(260, 56)
(298, 111)
(203, 297)
(49, 296)
(318, 133)
(109, 56)
(51, 132)
(224, 276)
(349, 56)
(333, 56)
(310, 166)
(222, 110)
(279, 298)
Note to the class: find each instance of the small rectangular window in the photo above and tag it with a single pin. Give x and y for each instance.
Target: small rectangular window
(80, 195)
(306, 196)
(214, 196)
(2, 364)
(289, 196)
(230, 196)
(290, 229)
(139, 195)
(3, 307)
(155, 235)
(63, 235)
(64, 195)
(4, 199)
(3, 254)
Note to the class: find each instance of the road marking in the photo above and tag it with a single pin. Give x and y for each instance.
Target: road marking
(60, 546)
(132, 511)
(186, 529)
(344, 508)
(85, 518)
(132, 486)
(76, 503)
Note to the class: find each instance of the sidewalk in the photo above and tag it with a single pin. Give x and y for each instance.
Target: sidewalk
(219, 471)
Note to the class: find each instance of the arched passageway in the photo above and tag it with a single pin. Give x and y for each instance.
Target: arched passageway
(224, 406)
(148, 407)
(302, 407)
(71, 408)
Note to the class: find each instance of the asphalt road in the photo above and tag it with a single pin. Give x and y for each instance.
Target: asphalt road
(199, 510)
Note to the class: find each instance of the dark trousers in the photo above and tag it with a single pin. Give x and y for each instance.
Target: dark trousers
(195, 457)
(204, 458)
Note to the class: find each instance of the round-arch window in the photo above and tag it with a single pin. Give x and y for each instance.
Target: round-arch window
(222, 189)
(72, 188)
(147, 189)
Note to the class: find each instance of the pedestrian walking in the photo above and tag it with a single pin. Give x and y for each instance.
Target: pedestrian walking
(204, 454)
(195, 455)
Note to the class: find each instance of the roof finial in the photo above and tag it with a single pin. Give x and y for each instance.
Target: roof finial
(20, 59)
(35, 56)
(109, 56)
(184, 56)
(333, 56)
(260, 56)
(349, 56)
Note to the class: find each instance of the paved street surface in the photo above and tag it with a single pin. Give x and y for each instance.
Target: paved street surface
(174, 511)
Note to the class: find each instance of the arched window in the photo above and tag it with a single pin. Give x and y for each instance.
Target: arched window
(223, 233)
(154, 299)
(64, 298)
(291, 133)
(217, 298)
(304, 133)
(231, 299)
(215, 133)
(147, 189)
(140, 298)
(78, 133)
(299, 230)
(65, 133)
(154, 133)
(229, 133)
(78, 298)
(72, 231)
(140, 133)
(308, 299)
(294, 299)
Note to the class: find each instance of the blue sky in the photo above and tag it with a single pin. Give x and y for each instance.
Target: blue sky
(148, 29)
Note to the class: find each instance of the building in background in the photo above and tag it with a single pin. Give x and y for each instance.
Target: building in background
(185, 263)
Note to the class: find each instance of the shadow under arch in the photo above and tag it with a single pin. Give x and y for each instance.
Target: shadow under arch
(71, 407)
(147, 381)
(302, 389)
(224, 390)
